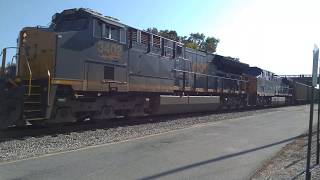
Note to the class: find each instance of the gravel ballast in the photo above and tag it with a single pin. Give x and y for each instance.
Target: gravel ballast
(32, 146)
(290, 162)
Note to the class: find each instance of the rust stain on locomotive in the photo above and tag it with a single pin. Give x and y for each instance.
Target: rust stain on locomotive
(109, 50)
(200, 68)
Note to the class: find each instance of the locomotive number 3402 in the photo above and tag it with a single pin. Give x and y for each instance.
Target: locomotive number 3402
(109, 50)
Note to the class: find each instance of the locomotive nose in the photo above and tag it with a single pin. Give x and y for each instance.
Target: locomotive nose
(36, 53)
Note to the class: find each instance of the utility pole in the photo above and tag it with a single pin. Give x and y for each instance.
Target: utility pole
(314, 83)
(318, 125)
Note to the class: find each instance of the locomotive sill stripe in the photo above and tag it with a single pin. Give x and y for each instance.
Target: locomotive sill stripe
(201, 90)
(176, 88)
(105, 62)
(66, 81)
(208, 75)
(148, 76)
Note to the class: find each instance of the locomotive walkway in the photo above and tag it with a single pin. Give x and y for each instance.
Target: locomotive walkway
(229, 149)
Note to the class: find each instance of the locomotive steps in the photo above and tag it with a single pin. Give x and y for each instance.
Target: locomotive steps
(34, 104)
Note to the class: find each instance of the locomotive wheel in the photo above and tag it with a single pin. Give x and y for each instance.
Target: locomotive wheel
(4, 122)
(11, 114)
(38, 123)
(107, 112)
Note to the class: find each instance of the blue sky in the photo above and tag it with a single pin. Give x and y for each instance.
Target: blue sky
(275, 35)
(165, 14)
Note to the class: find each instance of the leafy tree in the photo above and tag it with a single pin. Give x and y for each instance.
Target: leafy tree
(170, 34)
(197, 39)
(184, 39)
(208, 44)
(194, 40)
(211, 44)
(191, 45)
(152, 30)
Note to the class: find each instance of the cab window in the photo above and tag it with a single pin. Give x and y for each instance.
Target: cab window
(111, 32)
(123, 36)
(72, 24)
(179, 51)
(97, 29)
(108, 31)
(115, 33)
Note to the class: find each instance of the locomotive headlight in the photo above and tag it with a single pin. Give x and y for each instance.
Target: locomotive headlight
(24, 37)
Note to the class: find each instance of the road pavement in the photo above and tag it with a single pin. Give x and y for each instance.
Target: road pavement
(228, 149)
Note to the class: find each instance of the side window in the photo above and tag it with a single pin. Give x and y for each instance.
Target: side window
(156, 41)
(179, 51)
(115, 33)
(144, 38)
(108, 72)
(97, 28)
(106, 33)
(168, 47)
(132, 35)
(123, 36)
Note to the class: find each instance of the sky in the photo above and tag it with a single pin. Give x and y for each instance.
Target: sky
(276, 35)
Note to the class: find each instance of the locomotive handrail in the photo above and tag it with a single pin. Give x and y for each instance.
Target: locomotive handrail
(112, 81)
(3, 64)
(303, 84)
(184, 59)
(209, 75)
(30, 72)
(30, 77)
(296, 76)
(49, 87)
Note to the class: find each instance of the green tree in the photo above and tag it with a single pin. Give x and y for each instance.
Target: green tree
(152, 30)
(184, 39)
(194, 40)
(191, 45)
(197, 39)
(170, 34)
(210, 44)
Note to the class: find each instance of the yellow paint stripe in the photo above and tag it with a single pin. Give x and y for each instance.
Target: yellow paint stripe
(66, 81)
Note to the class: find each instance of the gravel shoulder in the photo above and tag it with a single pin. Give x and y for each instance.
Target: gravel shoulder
(32, 146)
(290, 162)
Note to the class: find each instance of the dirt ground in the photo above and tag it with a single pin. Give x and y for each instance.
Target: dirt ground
(290, 162)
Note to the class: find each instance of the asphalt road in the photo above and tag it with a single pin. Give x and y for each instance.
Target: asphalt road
(229, 149)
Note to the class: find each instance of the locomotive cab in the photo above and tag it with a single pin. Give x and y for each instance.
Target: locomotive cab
(95, 49)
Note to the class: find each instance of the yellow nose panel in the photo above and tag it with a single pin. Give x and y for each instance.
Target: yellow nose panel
(38, 48)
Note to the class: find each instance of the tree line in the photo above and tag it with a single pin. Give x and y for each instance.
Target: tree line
(194, 40)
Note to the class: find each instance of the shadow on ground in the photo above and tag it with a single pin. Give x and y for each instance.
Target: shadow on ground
(213, 160)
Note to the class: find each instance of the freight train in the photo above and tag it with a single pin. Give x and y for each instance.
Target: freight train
(86, 65)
